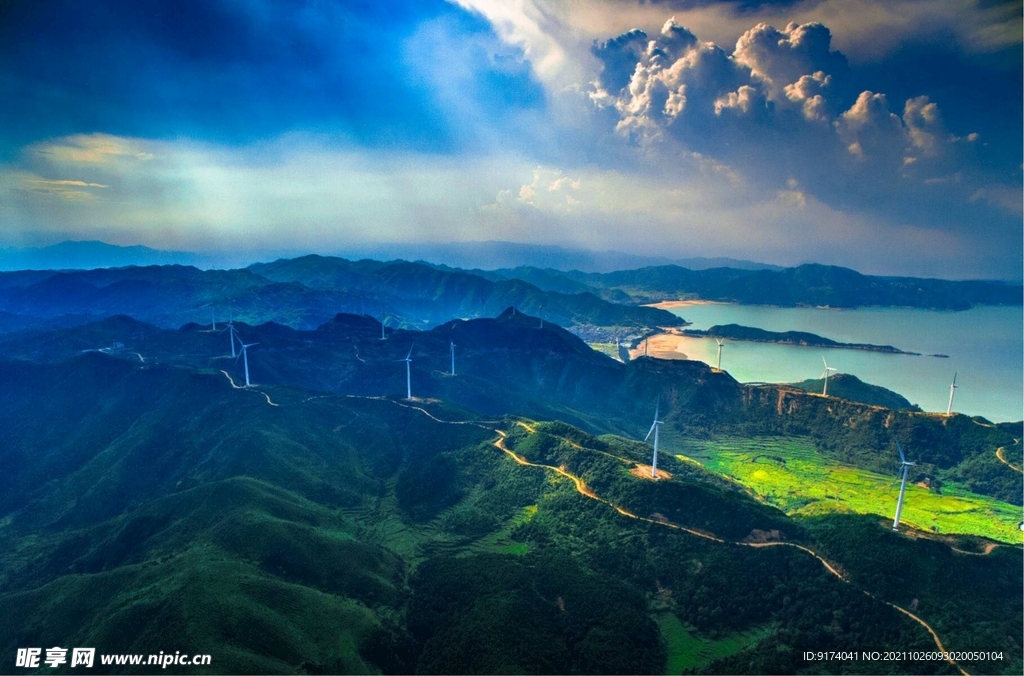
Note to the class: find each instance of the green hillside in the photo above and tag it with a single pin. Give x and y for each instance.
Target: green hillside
(848, 386)
(285, 530)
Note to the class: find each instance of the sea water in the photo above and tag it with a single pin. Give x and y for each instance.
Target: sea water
(984, 347)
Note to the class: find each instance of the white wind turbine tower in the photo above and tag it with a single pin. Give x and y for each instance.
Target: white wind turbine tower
(245, 358)
(383, 319)
(952, 389)
(654, 428)
(720, 341)
(451, 345)
(903, 486)
(824, 374)
(213, 315)
(233, 335)
(408, 373)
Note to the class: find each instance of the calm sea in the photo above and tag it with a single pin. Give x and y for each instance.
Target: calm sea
(985, 347)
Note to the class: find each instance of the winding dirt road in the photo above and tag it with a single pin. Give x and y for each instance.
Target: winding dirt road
(583, 489)
(999, 454)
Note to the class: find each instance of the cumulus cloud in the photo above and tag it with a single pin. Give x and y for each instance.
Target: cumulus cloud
(869, 128)
(781, 58)
(808, 92)
(673, 74)
(773, 102)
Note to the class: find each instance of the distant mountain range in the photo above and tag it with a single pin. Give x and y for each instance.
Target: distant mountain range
(305, 292)
(92, 254)
(86, 255)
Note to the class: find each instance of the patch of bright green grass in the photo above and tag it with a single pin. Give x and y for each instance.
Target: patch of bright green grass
(688, 651)
(790, 474)
(501, 542)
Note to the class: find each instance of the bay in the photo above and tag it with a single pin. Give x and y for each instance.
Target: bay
(985, 348)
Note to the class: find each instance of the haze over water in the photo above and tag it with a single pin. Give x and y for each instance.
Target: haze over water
(985, 347)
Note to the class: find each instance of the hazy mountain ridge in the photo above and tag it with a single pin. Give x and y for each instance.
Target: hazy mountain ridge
(811, 284)
(303, 293)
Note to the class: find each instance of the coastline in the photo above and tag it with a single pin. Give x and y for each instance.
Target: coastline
(669, 304)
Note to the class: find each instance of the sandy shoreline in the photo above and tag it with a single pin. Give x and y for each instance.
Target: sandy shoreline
(661, 346)
(669, 304)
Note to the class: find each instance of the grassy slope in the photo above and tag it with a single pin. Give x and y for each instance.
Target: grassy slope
(790, 474)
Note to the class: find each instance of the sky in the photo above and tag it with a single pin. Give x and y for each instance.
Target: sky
(883, 135)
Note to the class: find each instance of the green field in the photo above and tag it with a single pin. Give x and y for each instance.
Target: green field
(688, 651)
(790, 474)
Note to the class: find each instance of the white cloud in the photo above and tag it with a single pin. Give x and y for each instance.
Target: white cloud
(780, 58)
(91, 149)
(746, 100)
(869, 129)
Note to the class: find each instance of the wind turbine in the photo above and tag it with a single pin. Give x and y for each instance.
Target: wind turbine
(233, 335)
(245, 358)
(383, 319)
(903, 485)
(451, 344)
(720, 341)
(213, 315)
(408, 373)
(654, 428)
(645, 346)
(824, 374)
(952, 389)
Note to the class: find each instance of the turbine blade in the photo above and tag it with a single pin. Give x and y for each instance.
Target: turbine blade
(954, 378)
(824, 362)
(410, 353)
(650, 431)
(903, 458)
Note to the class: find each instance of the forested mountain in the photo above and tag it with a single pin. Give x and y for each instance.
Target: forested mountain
(280, 529)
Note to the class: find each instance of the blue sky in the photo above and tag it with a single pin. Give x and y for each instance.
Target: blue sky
(884, 136)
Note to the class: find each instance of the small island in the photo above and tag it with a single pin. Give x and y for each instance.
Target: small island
(800, 338)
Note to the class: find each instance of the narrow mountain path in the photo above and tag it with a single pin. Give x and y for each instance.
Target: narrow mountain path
(251, 389)
(583, 489)
(1002, 459)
